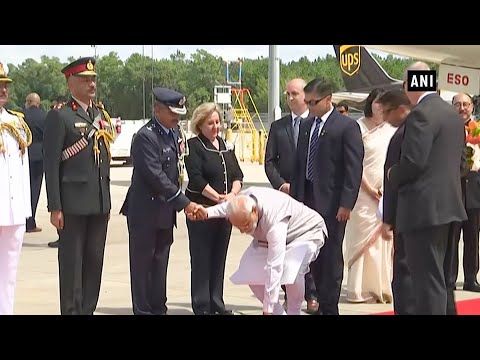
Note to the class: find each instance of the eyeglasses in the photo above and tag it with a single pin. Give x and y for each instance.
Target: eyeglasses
(315, 102)
(458, 105)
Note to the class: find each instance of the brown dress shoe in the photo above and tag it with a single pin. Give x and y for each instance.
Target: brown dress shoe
(312, 306)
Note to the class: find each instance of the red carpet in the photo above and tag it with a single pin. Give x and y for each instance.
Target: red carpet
(464, 307)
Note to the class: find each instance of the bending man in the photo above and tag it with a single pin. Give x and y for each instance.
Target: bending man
(287, 238)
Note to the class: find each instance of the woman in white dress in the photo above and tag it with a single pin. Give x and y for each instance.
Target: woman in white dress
(367, 255)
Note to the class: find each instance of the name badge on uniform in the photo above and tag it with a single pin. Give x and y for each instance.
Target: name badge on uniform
(81, 125)
(166, 150)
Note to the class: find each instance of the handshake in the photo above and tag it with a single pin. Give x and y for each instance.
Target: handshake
(196, 212)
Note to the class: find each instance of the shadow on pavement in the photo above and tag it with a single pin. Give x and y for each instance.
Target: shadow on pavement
(176, 309)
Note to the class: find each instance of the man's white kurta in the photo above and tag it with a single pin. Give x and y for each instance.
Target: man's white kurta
(288, 237)
(15, 202)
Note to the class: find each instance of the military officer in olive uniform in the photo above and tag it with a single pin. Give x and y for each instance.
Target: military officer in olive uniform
(153, 200)
(77, 174)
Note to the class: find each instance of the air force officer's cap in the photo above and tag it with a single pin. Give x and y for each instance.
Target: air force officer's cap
(173, 99)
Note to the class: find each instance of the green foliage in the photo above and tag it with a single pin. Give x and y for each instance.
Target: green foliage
(121, 85)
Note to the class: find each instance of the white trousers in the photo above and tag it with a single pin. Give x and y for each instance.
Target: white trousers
(295, 295)
(11, 240)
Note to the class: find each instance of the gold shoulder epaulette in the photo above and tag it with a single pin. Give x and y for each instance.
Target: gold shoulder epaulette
(100, 105)
(16, 113)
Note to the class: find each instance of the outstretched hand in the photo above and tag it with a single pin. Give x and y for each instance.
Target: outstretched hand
(196, 212)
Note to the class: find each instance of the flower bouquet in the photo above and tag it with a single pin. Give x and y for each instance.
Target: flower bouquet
(472, 138)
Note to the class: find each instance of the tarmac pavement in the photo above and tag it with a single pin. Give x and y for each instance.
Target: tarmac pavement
(37, 286)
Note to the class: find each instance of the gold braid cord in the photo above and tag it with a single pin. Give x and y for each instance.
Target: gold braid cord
(14, 132)
(182, 155)
(107, 135)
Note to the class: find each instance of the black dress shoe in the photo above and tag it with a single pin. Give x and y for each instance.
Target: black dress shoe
(53, 244)
(471, 286)
(224, 312)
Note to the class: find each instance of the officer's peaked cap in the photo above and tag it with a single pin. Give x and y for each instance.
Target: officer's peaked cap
(173, 99)
(81, 67)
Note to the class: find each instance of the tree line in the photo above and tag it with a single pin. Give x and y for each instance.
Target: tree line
(121, 84)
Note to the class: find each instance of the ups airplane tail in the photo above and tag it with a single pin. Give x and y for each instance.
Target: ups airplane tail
(361, 72)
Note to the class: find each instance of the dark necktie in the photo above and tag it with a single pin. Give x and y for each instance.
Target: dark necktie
(296, 127)
(90, 113)
(313, 149)
(172, 136)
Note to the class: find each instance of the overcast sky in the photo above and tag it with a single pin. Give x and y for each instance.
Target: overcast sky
(16, 54)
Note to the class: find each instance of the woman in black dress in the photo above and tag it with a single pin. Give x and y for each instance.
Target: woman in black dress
(214, 176)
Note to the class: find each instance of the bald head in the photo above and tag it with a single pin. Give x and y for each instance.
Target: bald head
(32, 99)
(414, 96)
(296, 96)
(297, 82)
(418, 65)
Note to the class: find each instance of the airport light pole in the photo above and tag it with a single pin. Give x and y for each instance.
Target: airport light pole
(274, 111)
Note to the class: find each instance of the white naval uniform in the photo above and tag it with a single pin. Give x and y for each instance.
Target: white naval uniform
(15, 207)
(287, 238)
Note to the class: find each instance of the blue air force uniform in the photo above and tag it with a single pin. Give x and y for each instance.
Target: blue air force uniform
(152, 202)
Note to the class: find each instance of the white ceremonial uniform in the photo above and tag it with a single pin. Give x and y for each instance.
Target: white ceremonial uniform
(287, 238)
(14, 209)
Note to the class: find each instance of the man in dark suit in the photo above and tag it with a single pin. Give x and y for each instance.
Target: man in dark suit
(283, 137)
(429, 192)
(35, 119)
(153, 200)
(77, 174)
(327, 178)
(396, 107)
(463, 103)
(280, 158)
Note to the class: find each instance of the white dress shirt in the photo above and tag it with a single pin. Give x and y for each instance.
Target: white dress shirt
(303, 116)
(15, 205)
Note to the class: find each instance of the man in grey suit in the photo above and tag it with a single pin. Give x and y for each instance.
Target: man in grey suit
(429, 192)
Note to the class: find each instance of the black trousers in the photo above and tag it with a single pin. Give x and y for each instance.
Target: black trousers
(149, 253)
(36, 178)
(208, 242)
(471, 228)
(402, 286)
(450, 267)
(80, 259)
(426, 251)
(310, 287)
(328, 268)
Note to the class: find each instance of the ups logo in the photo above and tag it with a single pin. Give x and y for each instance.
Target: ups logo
(350, 59)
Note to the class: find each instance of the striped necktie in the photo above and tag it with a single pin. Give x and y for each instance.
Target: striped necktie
(313, 149)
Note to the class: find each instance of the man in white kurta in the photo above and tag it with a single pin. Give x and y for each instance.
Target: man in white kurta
(15, 204)
(287, 237)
